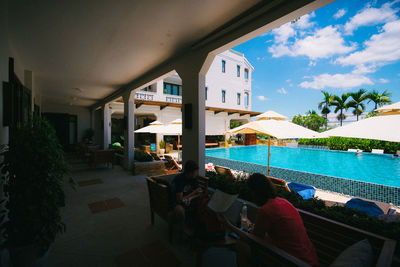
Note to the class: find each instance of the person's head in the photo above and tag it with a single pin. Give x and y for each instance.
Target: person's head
(261, 188)
(191, 169)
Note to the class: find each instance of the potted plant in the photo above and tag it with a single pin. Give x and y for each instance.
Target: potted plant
(33, 175)
(230, 141)
(162, 147)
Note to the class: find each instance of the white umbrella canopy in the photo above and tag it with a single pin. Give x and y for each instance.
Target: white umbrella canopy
(279, 129)
(392, 107)
(385, 128)
(270, 114)
(174, 128)
(153, 127)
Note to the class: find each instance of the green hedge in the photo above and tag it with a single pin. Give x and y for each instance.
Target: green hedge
(344, 215)
(344, 143)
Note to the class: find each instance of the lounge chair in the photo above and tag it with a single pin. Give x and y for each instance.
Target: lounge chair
(224, 171)
(377, 151)
(372, 208)
(352, 150)
(155, 156)
(171, 166)
(279, 183)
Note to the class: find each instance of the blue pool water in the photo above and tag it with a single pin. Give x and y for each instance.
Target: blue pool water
(379, 169)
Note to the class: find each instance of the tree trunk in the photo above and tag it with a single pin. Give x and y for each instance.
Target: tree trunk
(341, 118)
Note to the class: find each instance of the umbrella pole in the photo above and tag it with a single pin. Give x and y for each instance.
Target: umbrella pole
(269, 145)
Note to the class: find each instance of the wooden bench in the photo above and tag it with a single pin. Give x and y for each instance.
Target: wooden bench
(330, 238)
(103, 157)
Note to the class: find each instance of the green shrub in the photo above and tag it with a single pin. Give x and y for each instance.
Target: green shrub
(344, 143)
(142, 156)
(162, 144)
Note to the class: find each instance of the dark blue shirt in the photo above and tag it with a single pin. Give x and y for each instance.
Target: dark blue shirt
(185, 185)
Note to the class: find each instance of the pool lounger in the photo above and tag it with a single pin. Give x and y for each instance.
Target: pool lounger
(377, 151)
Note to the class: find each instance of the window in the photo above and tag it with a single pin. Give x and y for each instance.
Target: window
(246, 99)
(172, 89)
(238, 70)
(238, 99)
(246, 73)
(223, 66)
(223, 96)
(206, 92)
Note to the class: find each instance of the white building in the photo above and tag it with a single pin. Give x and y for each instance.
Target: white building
(228, 97)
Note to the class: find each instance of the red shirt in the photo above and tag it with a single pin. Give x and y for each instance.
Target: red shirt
(285, 228)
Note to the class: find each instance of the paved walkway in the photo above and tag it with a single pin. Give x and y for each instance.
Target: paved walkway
(108, 224)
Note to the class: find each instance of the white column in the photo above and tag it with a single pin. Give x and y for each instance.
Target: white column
(106, 125)
(129, 129)
(193, 101)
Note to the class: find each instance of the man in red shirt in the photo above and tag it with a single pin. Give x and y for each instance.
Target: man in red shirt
(278, 222)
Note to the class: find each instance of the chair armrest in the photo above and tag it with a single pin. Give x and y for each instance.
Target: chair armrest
(264, 244)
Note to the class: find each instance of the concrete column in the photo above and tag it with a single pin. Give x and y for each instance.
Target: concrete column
(106, 125)
(129, 129)
(192, 72)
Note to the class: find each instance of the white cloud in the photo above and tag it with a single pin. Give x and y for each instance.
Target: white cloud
(288, 80)
(324, 43)
(371, 16)
(284, 32)
(340, 13)
(381, 49)
(312, 63)
(282, 91)
(382, 80)
(304, 21)
(262, 98)
(343, 81)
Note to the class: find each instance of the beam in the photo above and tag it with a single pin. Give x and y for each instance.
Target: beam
(138, 105)
(163, 107)
(257, 20)
(217, 112)
(231, 113)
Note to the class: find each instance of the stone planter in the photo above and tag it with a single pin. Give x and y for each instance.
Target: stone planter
(221, 144)
(162, 151)
(156, 167)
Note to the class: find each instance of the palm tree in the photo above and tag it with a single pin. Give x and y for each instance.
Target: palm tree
(340, 104)
(325, 103)
(379, 99)
(357, 102)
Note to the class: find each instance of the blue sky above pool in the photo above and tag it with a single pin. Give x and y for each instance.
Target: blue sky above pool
(342, 47)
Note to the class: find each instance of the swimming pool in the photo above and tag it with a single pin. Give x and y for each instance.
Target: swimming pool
(378, 169)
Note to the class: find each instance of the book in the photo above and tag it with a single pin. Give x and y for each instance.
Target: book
(221, 201)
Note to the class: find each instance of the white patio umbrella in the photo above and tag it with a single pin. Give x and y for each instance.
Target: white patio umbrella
(392, 107)
(174, 128)
(382, 127)
(153, 127)
(270, 114)
(279, 129)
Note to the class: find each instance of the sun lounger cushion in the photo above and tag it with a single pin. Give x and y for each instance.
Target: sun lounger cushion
(358, 255)
(370, 208)
(305, 191)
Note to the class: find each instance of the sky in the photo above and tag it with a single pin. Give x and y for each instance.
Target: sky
(341, 47)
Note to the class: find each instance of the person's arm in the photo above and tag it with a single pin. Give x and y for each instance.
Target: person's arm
(242, 235)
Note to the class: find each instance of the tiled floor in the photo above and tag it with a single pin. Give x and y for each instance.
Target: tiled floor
(108, 224)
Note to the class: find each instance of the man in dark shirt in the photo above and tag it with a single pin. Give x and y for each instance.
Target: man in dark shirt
(186, 186)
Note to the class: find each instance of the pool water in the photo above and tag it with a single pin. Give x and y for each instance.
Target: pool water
(379, 169)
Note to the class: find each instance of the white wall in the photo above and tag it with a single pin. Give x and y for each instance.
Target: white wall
(216, 81)
(83, 114)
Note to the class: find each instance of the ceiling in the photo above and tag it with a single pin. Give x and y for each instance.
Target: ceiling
(99, 45)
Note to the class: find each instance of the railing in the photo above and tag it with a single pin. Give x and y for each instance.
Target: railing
(144, 96)
(171, 99)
